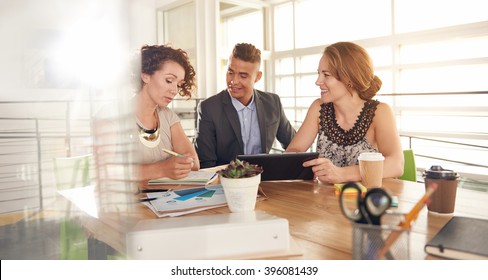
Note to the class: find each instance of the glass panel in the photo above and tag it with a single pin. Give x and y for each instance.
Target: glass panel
(284, 66)
(306, 86)
(381, 56)
(288, 101)
(283, 27)
(454, 152)
(317, 21)
(442, 122)
(386, 99)
(308, 63)
(305, 101)
(386, 77)
(247, 28)
(426, 102)
(445, 79)
(445, 50)
(290, 114)
(415, 15)
(285, 86)
(301, 114)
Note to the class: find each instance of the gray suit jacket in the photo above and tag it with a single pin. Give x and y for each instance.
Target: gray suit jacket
(218, 136)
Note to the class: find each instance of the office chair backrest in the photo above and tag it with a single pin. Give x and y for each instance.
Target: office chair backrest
(409, 167)
(72, 172)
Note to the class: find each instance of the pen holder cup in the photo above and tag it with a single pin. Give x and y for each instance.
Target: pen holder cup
(369, 240)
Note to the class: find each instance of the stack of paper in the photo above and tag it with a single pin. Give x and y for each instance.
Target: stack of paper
(181, 202)
(193, 178)
(338, 189)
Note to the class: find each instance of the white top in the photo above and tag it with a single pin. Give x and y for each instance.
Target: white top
(148, 152)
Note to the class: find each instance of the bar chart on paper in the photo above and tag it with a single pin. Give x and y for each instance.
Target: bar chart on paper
(192, 199)
(197, 193)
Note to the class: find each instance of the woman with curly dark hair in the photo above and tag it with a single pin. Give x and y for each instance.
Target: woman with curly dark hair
(165, 72)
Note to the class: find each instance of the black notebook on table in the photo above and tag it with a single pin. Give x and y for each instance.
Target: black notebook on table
(284, 166)
(462, 238)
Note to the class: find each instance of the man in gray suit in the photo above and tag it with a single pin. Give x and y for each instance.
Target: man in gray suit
(240, 120)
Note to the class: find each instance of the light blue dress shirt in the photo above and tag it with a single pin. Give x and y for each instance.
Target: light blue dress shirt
(248, 118)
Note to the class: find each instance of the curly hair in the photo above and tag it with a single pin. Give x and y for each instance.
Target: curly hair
(154, 57)
(351, 64)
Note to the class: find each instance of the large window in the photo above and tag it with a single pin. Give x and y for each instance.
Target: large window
(432, 57)
(418, 15)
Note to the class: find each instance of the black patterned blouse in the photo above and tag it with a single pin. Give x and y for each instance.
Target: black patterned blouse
(340, 146)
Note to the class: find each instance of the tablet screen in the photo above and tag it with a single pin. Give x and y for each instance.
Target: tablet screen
(285, 166)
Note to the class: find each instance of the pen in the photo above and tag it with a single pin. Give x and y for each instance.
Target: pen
(409, 218)
(174, 154)
(147, 199)
(154, 190)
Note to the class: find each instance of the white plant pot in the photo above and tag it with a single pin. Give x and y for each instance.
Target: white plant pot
(241, 193)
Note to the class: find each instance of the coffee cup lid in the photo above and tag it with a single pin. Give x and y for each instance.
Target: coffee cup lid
(437, 172)
(371, 156)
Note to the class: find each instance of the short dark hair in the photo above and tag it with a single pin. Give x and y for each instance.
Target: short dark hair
(153, 58)
(247, 52)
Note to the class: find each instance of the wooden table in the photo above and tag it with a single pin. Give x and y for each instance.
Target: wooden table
(316, 222)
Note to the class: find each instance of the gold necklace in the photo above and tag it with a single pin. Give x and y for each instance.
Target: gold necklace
(149, 134)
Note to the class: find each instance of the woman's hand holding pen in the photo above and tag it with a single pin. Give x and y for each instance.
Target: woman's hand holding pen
(186, 155)
(177, 167)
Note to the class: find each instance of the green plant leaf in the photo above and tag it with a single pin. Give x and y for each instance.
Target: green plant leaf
(240, 169)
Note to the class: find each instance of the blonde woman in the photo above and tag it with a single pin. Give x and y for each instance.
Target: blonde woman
(346, 119)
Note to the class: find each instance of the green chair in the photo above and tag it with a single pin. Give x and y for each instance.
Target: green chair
(409, 167)
(72, 172)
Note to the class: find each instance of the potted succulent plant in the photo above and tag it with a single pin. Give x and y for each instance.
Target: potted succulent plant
(240, 181)
(240, 169)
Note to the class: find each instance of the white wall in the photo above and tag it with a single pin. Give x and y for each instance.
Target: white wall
(142, 23)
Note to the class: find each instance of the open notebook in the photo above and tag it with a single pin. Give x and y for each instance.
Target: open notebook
(194, 178)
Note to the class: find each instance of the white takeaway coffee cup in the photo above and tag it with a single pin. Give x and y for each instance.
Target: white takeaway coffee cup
(371, 169)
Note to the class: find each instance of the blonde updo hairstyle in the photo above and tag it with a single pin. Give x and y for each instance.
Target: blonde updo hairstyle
(351, 64)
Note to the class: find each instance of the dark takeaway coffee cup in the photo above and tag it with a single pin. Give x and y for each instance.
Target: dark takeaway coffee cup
(443, 199)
